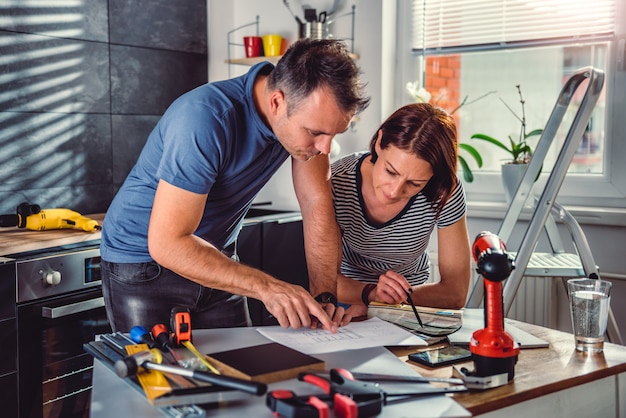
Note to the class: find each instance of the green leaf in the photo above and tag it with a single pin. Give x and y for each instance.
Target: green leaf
(473, 152)
(533, 133)
(468, 176)
(491, 140)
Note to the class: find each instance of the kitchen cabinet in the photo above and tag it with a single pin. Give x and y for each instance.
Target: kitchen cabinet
(8, 333)
(273, 243)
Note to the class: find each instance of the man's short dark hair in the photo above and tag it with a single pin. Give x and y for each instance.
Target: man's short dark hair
(310, 64)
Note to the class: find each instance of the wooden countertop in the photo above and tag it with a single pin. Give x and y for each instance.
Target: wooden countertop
(538, 372)
(18, 240)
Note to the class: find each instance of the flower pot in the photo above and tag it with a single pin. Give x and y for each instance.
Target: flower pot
(511, 177)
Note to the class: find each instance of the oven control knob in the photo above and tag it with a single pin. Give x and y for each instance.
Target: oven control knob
(52, 277)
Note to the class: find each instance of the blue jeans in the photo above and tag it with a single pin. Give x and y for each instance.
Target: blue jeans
(145, 293)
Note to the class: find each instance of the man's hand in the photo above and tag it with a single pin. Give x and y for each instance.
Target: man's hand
(337, 315)
(294, 307)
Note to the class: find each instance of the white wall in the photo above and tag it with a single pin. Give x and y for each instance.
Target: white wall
(274, 17)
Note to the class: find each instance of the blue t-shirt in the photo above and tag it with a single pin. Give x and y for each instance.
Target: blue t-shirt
(210, 140)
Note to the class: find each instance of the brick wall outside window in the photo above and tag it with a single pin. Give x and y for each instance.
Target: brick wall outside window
(442, 81)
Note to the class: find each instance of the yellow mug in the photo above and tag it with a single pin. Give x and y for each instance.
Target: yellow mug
(272, 44)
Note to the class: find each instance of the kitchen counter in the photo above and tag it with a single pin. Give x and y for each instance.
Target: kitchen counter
(18, 240)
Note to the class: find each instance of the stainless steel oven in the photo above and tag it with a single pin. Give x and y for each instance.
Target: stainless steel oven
(59, 307)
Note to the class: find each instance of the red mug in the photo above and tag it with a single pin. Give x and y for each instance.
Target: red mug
(252, 45)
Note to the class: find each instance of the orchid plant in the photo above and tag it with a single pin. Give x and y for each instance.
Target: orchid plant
(519, 149)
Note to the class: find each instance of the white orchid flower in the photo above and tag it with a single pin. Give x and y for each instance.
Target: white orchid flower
(420, 94)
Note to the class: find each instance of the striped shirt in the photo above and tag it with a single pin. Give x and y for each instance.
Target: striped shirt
(370, 249)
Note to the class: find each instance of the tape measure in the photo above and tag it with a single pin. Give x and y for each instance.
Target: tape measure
(180, 323)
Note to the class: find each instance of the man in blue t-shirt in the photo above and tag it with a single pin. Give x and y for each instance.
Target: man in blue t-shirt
(184, 201)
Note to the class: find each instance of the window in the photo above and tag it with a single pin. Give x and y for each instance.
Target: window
(480, 50)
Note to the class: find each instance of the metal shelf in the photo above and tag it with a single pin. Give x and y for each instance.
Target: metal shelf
(230, 44)
(274, 59)
(256, 60)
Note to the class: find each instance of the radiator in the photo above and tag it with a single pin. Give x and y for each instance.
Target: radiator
(537, 301)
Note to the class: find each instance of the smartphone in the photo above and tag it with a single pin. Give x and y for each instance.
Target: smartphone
(441, 356)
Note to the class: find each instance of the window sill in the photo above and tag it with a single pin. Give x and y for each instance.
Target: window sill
(584, 215)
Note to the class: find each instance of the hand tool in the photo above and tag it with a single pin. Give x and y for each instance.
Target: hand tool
(153, 383)
(350, 398)
(161, 336)
(141, 335)
(180, 321)
(494, 350)
(129, 365)
(480, 383)
(180, 324)
(285, 403)
(31, 216)
(374, 377)
(200, 357)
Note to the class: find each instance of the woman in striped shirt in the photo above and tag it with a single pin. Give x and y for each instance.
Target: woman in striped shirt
(388, 202)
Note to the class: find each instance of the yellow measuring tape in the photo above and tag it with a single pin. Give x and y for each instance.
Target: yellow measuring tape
(153, 382)
(202, 359)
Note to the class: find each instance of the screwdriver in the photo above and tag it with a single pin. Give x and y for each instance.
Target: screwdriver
(161, 337)
(140, 335)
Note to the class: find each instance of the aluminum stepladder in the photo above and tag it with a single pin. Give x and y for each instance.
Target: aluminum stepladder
(558, 263)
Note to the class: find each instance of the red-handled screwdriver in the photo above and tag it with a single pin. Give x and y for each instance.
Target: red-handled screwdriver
(161, 336)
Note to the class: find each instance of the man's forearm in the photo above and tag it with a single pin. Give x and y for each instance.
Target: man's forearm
(321, 234)
(321, 244)
(201, 262)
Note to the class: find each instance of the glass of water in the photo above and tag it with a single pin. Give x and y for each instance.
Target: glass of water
(589, 307)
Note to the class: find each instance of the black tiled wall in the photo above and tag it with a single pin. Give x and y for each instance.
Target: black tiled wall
(82, 86)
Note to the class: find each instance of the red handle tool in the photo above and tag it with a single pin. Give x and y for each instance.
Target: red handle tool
(285, 403)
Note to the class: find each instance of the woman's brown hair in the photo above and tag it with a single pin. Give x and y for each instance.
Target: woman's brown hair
(429, 133)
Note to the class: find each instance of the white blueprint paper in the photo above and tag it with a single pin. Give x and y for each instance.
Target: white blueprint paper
(371, 333)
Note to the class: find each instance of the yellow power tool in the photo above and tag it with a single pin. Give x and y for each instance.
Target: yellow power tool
(31, 216)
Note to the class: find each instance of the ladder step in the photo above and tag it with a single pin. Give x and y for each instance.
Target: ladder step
(553, 265)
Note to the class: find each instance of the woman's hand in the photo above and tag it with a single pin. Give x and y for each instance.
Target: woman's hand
(392, 288)
(354, 312)
(343, 317)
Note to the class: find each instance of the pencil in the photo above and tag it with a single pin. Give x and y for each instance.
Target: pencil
(408, 296)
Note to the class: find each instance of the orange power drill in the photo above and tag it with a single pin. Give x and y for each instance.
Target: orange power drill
(494, 350)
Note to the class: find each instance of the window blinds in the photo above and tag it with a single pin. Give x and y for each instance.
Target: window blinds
(448, 26)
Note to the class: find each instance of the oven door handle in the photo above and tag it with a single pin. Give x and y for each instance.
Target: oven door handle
(72, 308)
